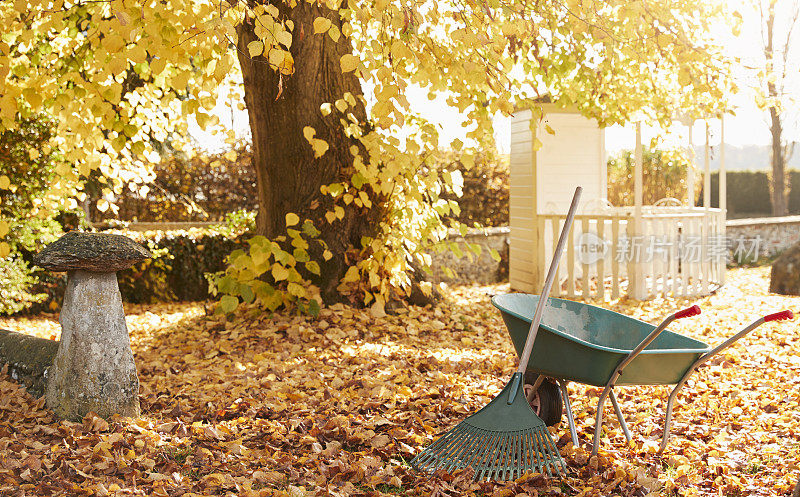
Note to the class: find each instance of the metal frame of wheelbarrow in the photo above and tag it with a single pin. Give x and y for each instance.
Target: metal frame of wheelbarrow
(618, 371)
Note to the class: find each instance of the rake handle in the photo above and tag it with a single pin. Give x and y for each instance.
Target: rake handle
(548, 282)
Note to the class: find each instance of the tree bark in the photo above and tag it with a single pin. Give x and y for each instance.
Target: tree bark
(288, 175)
(778, 158)
(779, 207)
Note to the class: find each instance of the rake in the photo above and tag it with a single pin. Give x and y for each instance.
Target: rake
(506, 438)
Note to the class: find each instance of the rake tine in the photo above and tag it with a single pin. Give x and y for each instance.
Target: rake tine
(488, 451)
(558, 462)
(561, 462)
(555, 458)
(536, 452)
(439, 449)
(458, 449)
(530, 456)
(423, 457)
(447, 452)
(502, 458)
(523, 453)
(491, 456)
(480, 443)
(515, 458)
(545, 452)
(517, 468)
(498, 458)
(500, 462)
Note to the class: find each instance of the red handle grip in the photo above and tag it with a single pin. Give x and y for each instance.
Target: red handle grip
(779, 316)
(688, 312)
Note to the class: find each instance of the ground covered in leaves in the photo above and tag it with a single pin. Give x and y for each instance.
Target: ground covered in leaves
(290, 405)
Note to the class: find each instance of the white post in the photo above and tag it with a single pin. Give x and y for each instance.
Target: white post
(707, 170)
(690, 170)
(705, 264)
(636, 280)
(723, 195)
(723, 187)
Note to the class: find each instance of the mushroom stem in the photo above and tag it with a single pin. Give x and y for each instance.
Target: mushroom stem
(94, 368)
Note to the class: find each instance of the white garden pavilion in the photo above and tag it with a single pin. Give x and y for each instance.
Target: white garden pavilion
(670, 248)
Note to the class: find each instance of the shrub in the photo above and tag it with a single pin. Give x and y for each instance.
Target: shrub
(16, 281)
(747, 192)
(27, 207)
(485, 191)
(663, 175)
(205, 187)
(177, 270)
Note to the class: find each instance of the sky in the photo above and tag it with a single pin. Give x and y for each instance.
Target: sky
(747, 127)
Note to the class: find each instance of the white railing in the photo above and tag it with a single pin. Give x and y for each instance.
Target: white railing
(668, 250)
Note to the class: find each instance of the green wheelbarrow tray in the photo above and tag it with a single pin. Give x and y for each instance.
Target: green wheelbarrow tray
(584, 343)
(587, 344)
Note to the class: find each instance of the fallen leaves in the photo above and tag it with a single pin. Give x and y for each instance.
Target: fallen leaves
(291, 405)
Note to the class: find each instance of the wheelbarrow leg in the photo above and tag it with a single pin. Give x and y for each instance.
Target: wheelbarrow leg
(562, 384)
(598, 420)
(668, 415)
(598, 424)
(620, 417)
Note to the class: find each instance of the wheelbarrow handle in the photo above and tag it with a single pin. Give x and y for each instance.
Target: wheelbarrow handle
(688, 312)
(777, 316)
(685, 313)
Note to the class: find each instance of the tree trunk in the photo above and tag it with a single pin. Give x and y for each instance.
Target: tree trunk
(779, 207)
(288, 175)
(778, 158)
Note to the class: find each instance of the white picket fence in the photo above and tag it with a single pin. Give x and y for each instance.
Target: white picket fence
(669, 251)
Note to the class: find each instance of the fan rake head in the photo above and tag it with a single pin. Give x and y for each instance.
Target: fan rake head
(502, 441)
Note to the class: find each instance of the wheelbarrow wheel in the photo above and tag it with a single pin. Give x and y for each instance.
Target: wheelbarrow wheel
(546, 401)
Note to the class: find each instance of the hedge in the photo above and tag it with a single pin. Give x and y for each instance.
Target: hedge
(485, 193)
(175, 273)
(748, 192)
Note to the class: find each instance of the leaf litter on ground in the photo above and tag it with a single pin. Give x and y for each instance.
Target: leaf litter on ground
(286, 405)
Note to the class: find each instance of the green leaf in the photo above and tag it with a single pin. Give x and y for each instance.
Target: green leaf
(228, 304)
(313, 308)
(313, 267)
(358, 180)
(300, 255)
(227, 284)
(247, 294)
(310, 230)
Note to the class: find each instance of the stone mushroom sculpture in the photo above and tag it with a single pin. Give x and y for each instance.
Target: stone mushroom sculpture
(93, 369)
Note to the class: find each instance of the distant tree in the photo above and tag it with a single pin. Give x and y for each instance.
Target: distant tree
(777, 78)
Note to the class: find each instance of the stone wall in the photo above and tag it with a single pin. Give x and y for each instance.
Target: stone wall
(769, 236)
(481, 268)
(772, 235)
(28, 359)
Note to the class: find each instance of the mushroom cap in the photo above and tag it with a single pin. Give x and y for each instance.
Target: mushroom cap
(95, 252)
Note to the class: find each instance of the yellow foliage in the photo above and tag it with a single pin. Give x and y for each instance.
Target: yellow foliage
(610, 60)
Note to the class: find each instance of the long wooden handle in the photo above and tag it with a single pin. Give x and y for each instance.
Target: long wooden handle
(548, 282)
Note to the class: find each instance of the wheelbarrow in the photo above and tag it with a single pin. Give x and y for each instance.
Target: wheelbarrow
(587, 344)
